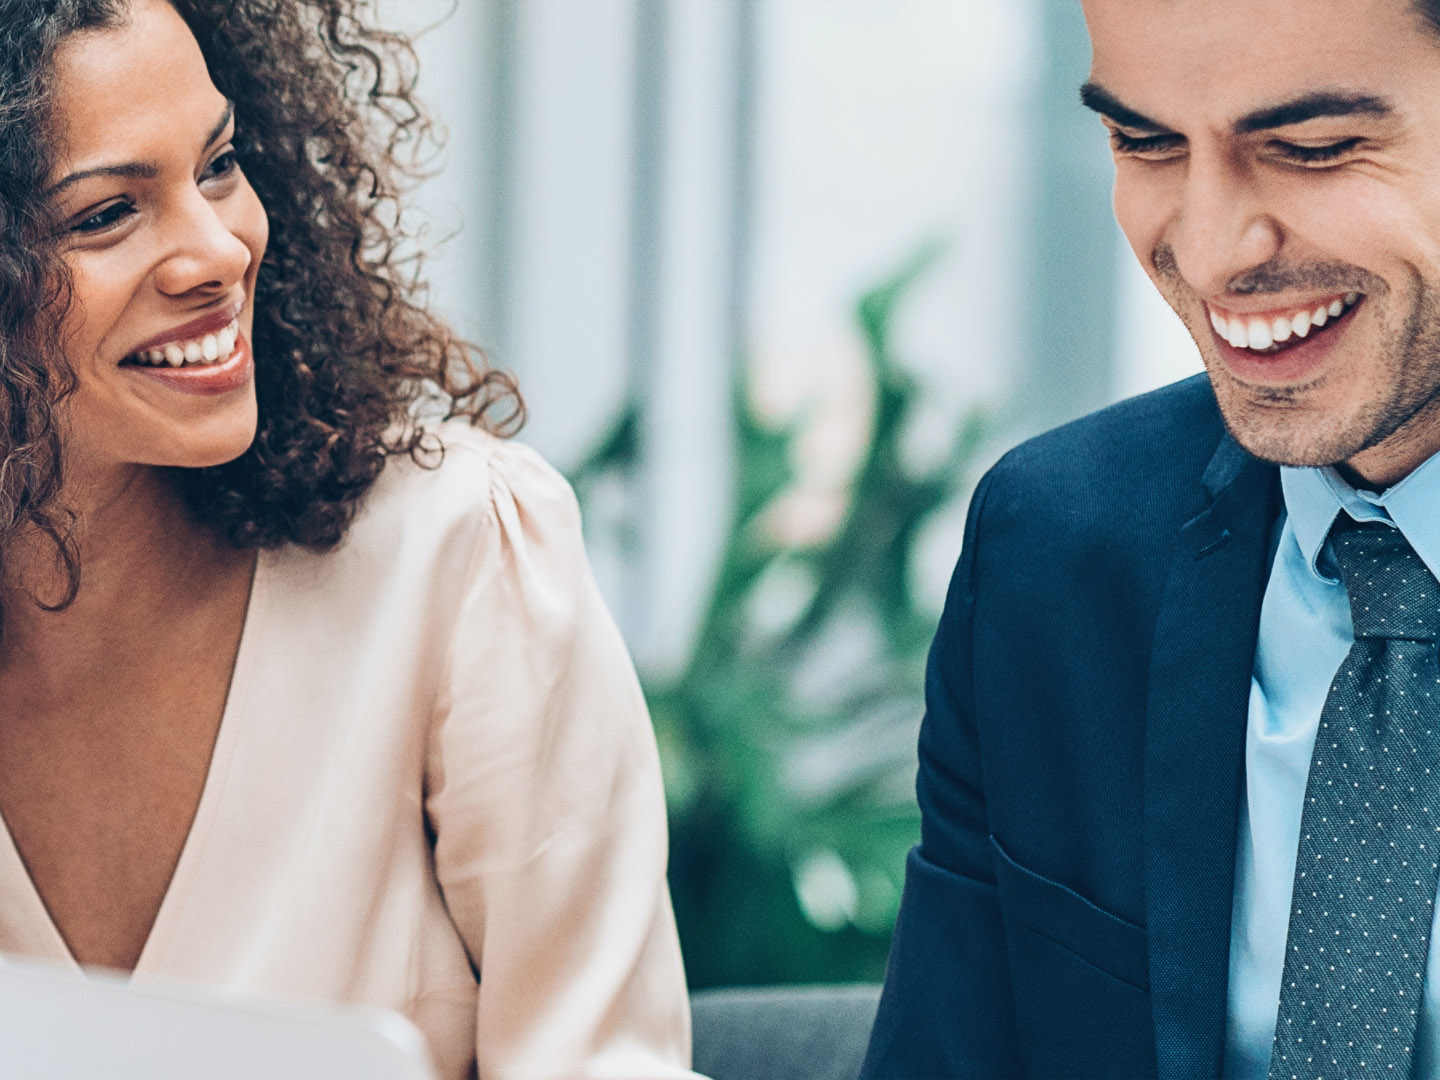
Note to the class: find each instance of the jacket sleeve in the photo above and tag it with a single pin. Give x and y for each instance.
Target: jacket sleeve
(946, 1010)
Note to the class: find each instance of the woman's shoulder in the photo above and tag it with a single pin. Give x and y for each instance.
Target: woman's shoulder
(466, 500)
(465, 478)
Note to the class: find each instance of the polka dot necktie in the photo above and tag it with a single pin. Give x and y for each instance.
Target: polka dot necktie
(1366, 870)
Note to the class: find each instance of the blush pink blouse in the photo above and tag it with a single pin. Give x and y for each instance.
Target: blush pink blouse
(435, 789)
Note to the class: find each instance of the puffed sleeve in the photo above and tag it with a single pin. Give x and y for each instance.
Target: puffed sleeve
(544, 794)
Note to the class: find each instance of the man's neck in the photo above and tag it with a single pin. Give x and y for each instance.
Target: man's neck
(1398, 455)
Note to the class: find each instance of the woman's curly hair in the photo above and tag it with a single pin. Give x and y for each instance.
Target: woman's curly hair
(328, 134)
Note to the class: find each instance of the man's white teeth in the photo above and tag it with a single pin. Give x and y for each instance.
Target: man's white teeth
(1258, 335)
(1261, 334)
(208, 349)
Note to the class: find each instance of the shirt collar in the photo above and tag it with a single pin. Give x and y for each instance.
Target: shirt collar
(1313, 498)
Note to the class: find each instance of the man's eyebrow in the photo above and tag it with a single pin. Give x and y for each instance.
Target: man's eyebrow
(141, 170)
(1313, 106)
(1094, 96)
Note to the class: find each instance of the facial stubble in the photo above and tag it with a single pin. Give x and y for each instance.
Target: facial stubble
(1400, 402)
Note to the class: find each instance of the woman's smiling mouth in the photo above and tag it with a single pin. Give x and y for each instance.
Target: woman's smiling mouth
(201, 350)
(216, 361)
(209, 339)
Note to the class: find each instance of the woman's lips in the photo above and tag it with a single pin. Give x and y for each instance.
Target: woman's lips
(206, 324)
(232, 373)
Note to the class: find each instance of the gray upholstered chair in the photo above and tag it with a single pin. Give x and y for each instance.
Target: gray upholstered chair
(782, 1032)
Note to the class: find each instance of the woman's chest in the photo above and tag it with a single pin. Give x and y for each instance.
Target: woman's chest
(99, 796)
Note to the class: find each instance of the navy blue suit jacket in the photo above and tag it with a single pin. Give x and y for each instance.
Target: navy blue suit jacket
(1067, 911)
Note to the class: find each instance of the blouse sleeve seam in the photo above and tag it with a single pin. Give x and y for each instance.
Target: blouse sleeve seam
(486, 521)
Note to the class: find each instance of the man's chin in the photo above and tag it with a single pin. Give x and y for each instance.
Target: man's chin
(1287, 436)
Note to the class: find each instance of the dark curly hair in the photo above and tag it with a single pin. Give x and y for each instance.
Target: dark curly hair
(329, 134)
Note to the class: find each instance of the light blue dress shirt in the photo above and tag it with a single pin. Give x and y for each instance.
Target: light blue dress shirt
(1304, 635)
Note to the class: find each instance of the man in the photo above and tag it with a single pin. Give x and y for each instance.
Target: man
(1137, 858)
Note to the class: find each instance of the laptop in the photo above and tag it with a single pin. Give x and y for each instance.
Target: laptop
(62, 1025)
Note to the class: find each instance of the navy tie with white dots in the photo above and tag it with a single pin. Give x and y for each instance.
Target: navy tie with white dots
(1367, 866)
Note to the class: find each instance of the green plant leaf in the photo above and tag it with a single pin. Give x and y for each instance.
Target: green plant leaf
(788, 740)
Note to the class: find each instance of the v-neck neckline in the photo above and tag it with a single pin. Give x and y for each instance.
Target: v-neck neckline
(41, 923)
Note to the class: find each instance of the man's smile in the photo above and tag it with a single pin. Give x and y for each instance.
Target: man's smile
(1284, 348)
(1273, 331)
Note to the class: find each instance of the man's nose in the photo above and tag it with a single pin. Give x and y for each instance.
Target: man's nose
(203, 252)
(1222, 227)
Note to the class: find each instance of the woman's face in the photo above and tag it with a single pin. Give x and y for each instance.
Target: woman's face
(163, 236)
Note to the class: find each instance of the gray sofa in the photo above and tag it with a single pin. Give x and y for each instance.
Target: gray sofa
(782, 1032)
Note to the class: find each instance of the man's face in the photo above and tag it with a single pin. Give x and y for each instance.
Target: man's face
(1277, 173)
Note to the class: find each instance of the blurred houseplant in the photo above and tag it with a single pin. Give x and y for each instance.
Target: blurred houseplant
(788, 739)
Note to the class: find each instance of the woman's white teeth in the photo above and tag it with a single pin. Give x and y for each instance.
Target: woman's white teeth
(1261, 334)
(209, 349)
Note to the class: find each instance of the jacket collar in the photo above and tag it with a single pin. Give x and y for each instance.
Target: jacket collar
(1197, 703)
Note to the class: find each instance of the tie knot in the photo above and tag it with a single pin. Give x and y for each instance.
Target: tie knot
(1392, 594)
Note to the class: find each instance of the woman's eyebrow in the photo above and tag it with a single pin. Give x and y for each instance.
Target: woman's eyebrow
(141, 170)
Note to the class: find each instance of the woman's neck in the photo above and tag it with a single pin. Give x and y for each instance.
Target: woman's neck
(145, 563)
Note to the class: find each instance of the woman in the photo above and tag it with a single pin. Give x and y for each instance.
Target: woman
(298, 695)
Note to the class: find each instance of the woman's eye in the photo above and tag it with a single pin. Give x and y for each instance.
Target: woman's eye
(104, 219)
(223, 165)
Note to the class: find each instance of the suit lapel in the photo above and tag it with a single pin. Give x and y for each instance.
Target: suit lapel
(1196, 711)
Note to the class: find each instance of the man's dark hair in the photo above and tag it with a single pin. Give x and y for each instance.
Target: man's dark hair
(1430, 11)
(328, 132)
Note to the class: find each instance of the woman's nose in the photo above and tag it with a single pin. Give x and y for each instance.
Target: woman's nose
(203, 251)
